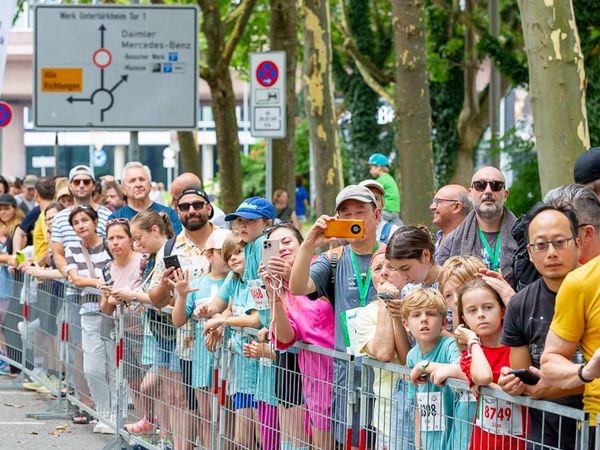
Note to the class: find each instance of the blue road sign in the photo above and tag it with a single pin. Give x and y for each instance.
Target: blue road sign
(5, 114)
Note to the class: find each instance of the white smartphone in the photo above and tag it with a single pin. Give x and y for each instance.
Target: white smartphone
(270, 249)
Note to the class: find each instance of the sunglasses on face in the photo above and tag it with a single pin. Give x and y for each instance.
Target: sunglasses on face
(185, 207)
(481, 185)
(84, 181)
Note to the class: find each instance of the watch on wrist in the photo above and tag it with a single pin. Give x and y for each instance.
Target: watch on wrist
(580, 375)
(424, 366)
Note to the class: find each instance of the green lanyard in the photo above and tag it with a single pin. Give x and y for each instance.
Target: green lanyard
(493, 254)
(363, 285)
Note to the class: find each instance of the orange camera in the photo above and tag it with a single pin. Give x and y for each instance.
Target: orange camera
(345, 228)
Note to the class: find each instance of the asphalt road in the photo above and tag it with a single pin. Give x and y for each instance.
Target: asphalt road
(20, 432)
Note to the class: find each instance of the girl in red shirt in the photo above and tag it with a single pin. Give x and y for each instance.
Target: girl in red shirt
(499, 425)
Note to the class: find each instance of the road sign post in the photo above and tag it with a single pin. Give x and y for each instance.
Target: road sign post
(115, 67)
(267, 104)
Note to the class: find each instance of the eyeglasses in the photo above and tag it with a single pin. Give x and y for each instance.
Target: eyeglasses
(481, 185)
(185, 207)
(557, 244)
(121, 220)
(436, 201)
(84, 181)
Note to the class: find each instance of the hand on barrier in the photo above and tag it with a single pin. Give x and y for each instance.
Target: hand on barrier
(497, 282)
(262, 335)
(510, 383)
(212, 324)
(212, 340)
(256, 350)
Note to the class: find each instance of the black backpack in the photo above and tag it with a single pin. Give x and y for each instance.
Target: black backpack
(523, 270)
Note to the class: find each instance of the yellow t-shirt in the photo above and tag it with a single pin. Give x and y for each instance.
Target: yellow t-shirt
(40, 244)
(577, 319)
(384, 381)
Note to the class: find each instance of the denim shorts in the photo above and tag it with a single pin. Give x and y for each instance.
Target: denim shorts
(164, 354)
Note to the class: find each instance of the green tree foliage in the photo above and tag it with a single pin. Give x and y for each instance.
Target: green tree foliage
(444, 58)
(361, 134)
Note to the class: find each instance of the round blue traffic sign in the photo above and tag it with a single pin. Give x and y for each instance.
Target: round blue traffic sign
(5, 114)
(267, 73)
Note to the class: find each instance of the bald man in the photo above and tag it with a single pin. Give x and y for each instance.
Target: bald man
(449, 207)
(486, 231)
(191, 179)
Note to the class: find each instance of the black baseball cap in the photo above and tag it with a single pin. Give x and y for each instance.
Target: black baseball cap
(587, 166)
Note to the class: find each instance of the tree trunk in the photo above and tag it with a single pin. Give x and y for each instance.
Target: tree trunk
(220, 48)
(284, 37)
(415, 157)
(318, 83)
(228, 143)
(556, 88)
(188, 148)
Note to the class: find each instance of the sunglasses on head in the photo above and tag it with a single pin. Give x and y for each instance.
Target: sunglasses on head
(185, 207)
(121, 220)
(84, 181)
(481, 185)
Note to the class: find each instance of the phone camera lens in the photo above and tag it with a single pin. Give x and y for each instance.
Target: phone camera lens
(355, 229)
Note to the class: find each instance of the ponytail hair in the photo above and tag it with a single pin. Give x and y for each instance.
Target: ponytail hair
(409, 242)
(145, 220)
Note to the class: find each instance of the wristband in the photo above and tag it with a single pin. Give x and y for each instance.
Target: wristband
(472, 342)
(580, 374)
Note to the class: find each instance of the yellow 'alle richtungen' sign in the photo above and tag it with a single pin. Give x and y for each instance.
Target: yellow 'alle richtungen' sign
(62, 80)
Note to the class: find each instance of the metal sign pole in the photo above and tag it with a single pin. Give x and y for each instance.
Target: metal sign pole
(269, 169)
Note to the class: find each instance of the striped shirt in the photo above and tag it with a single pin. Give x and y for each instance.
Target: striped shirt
(63, 233)
(76, 261)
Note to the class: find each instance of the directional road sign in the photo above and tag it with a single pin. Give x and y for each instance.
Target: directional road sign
(267, 99)
(5, 114)
(116, 67)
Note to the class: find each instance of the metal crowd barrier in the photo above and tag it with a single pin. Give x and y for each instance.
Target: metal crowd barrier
(158, 387)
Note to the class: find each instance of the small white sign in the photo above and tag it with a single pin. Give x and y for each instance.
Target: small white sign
(40, 162)
(267, 97)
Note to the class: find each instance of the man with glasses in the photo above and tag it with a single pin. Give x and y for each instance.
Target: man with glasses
(587, 207)
(449, 207)
(553, 248)
(136, 185)
(486, 231)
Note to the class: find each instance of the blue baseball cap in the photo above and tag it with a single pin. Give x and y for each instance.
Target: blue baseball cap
(253, 208)
(378, 159)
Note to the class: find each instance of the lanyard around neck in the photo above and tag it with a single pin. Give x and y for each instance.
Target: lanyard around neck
(363, 285)
(493, 254)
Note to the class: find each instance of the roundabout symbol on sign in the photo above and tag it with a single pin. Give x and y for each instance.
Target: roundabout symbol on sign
(267, 73)
(5, 114)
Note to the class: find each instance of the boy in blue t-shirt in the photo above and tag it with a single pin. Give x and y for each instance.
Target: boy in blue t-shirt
(433, 359)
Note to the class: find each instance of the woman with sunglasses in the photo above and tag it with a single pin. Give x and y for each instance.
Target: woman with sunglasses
(297, 318)
(125, 275)
(84, 270)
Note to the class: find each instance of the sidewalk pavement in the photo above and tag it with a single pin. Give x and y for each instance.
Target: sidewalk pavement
(20, 432)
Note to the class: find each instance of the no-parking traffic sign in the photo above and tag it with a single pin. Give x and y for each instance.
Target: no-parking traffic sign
(267, 99)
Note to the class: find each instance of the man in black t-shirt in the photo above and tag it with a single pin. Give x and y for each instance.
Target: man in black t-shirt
(553, 249)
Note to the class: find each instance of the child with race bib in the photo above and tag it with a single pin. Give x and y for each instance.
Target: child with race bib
(192, 295)
(499, 425)
(240, 311)
(250, 220)
(433, 360)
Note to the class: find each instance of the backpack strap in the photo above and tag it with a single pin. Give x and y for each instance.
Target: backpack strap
(385, 232)
(334, 255)
(169, 246)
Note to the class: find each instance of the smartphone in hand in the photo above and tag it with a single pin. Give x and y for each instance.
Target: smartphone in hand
(345, 228)
(270, 248)
(172, 261)
(526, 376)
